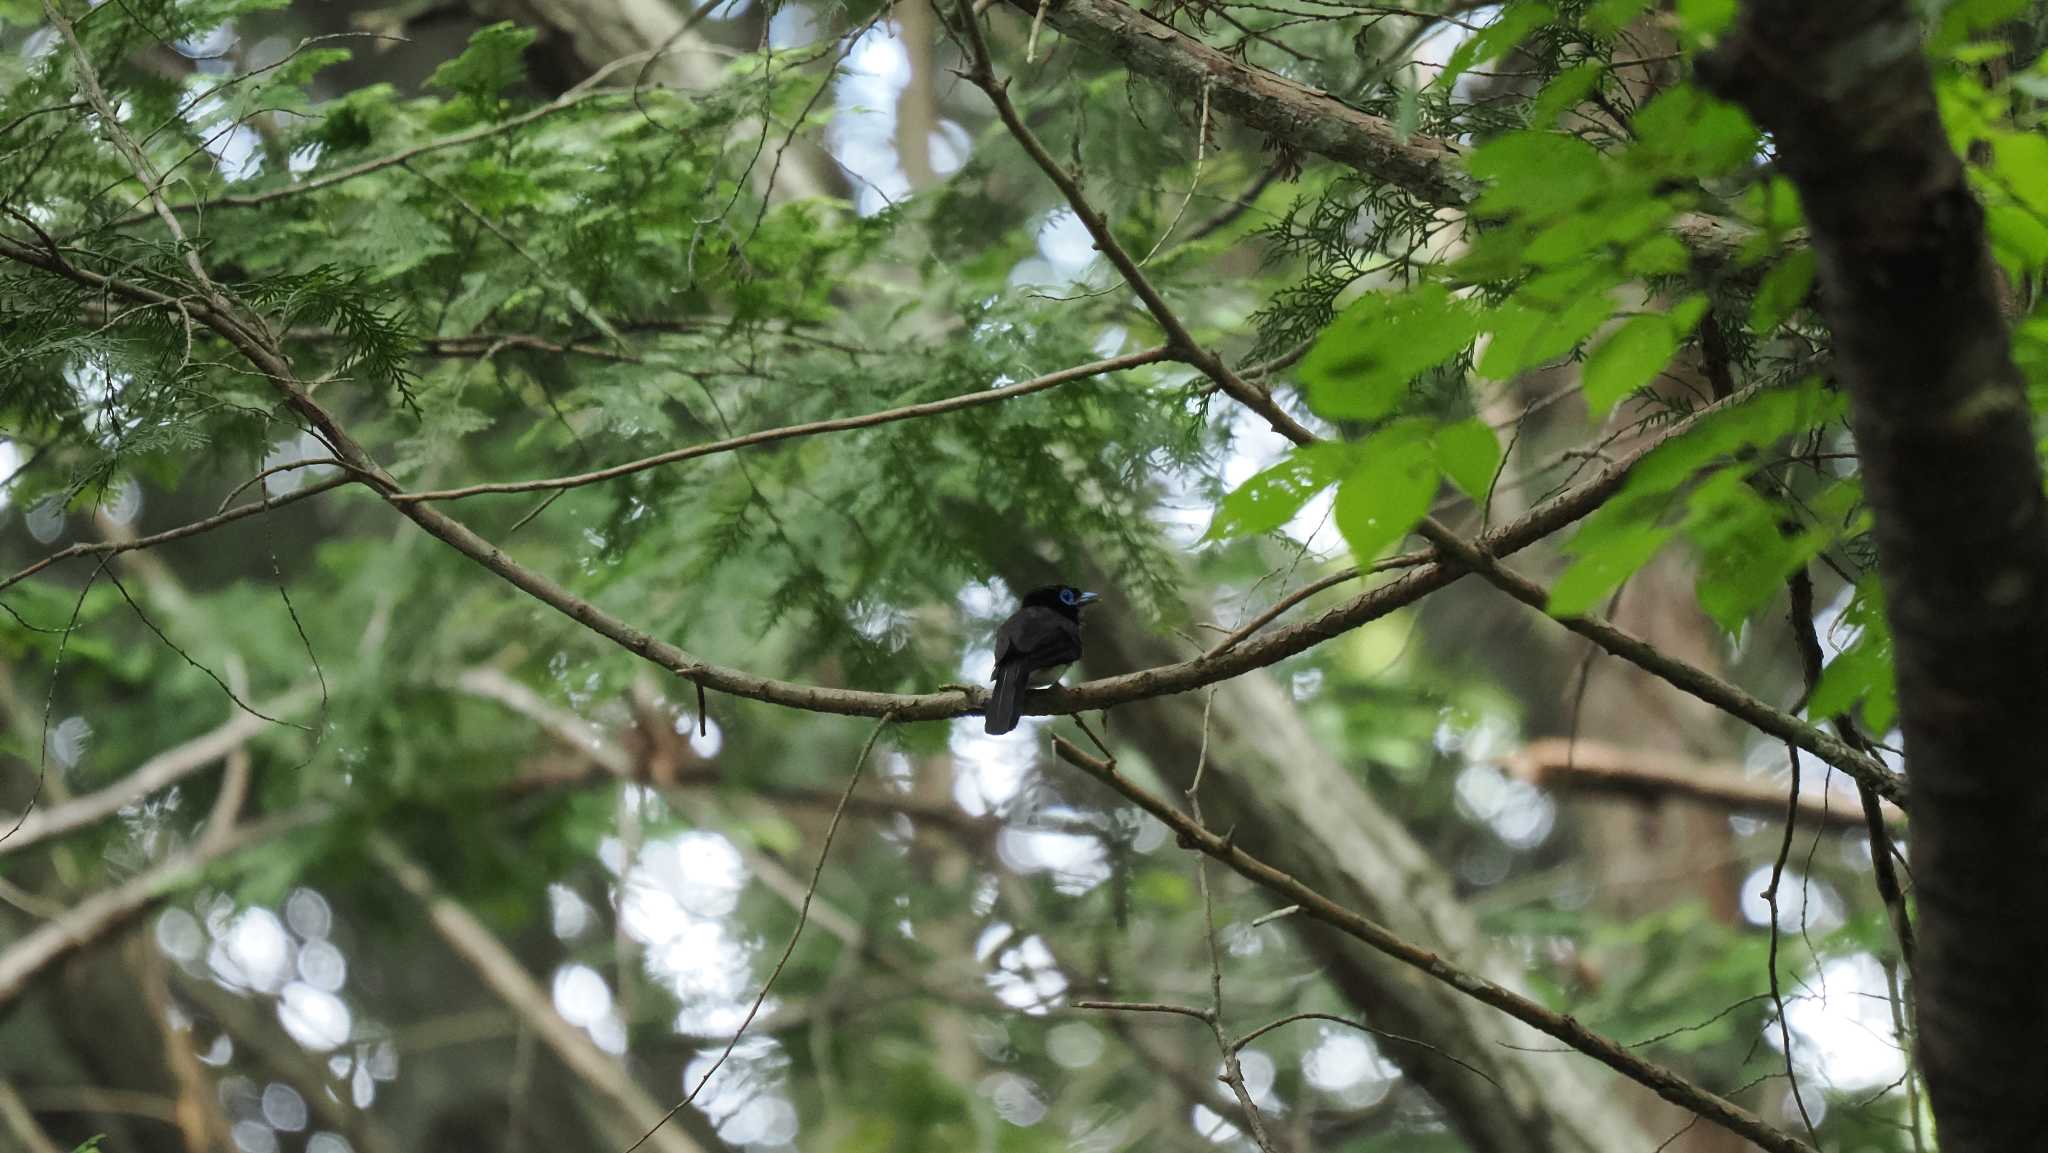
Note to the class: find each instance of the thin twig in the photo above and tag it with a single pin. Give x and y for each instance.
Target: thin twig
(1665, 1082)
(584, 91)
(1770, 895)
(794, 431)
(803, 914)
(1348, 1023)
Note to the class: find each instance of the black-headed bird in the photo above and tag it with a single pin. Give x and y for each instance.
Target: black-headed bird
(1033, 648)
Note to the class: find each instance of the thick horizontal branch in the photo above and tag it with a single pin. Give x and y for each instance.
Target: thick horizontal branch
(1456, 556)
(1449, 546)
(1582, 766)
(1660, 1080)
(1255, 653)
(1306, 119)
(794, 431)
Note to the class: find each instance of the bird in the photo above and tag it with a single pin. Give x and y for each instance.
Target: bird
(1033, 648)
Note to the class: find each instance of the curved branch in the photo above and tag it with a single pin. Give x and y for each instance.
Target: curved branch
(1660, 1080)
(1307, 119)
(794, 431)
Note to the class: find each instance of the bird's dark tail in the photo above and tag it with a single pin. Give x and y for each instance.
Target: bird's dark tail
(1005, 703)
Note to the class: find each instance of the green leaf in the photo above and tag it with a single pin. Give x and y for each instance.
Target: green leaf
(491, 63)
(1965, 18)
(1536, 173)
(1388, 492)
(1608, 17)
(1525, 335)
(2020, 162)
(1660, 254)
(1764, 418)
(91, 1144)
(1567, 90)
(2018, 235)
(1862, 672)
(1636, 353)
(1702, 19)
(1685, 133)
(1744, 556)
(1783, 290)
(1621, 218)
(1495, 39)
(1599, 566)
(1470, 456)
(1361, 365)
(1273, 497)
(1773, 206)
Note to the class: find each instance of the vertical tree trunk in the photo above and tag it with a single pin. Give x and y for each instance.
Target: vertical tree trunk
(1944, 433)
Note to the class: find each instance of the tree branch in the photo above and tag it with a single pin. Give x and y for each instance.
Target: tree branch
(1660, 1080)
(794, 431)
(1304, 118)
(1593, 766)
(1945, 441)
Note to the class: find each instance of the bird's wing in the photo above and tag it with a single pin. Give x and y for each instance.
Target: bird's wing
(1036, 638)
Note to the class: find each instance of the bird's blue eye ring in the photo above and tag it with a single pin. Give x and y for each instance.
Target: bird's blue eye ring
(1066, 596)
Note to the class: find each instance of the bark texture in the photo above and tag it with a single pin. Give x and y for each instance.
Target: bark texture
(1945, 436)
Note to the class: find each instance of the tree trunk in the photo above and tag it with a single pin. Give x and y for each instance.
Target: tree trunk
(1945, 437)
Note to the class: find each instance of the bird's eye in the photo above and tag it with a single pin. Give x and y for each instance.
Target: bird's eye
(1066, 596)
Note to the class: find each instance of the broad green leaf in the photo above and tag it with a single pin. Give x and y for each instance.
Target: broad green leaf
(1635, 354)
(1610, 16)
(1705, 18)
(1773, 206)
(2020, 162)
(1489, 42)
(1783, 290)
(1566, 90)
(1388, 492)
(1272, 497)
(1470, 456)
(1598, 568)
(1965, 18)
(1861, 672)
(1744, 557)
(1686, 133)
(1616, 220)
(1766, 417)
(1661, 254)
(1525, 335)
(1536, 173)
(2018, 235)
(1361, 365)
